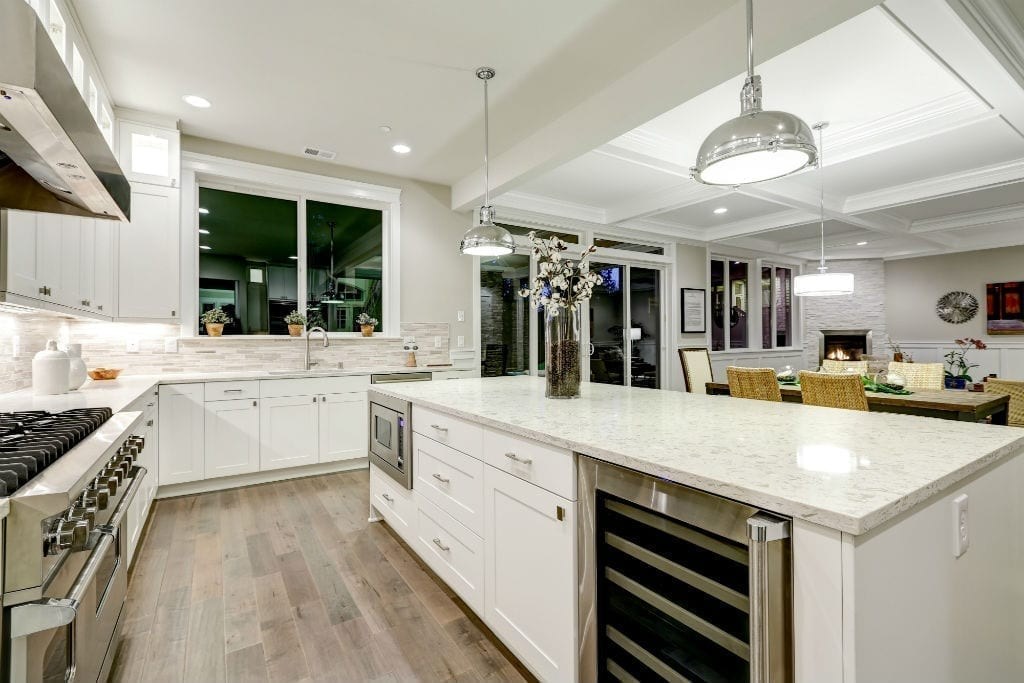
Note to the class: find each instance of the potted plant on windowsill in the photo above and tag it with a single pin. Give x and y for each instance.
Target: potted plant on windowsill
(214, 320)
(295, 322)
(366, 323)
(957, 367)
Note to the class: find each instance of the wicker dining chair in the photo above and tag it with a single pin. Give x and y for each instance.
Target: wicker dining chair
(697, 370)
(833, 391)
(859, 367)
(756, 383)
(1015, 388)
(920, 375)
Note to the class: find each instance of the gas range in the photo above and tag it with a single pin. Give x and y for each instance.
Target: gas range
(69, 478)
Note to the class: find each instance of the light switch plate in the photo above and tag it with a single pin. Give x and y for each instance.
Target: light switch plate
(131, 345)
(461, 315)
(962, 539)
(461, 341)
(437, 342)
(170, 344)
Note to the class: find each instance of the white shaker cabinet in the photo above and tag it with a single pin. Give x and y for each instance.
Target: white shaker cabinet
(232, 443)
(530, 580)
(149, 154)
(138, 511)
(289, 435)
(182, 429)
(343, 426)
(30, 244)
(148, 263)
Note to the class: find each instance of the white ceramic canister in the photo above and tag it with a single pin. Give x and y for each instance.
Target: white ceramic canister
(77, 373)
(50, 370)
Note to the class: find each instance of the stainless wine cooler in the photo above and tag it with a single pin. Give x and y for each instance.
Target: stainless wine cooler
(679, 585)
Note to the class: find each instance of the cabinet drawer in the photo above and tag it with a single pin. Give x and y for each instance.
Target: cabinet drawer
(548, 467)
(395, 503)
(308, 386)
(229, 391)
(451, 480)
(454, 552)
(451, 431)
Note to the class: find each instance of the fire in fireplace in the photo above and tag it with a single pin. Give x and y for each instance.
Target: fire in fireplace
(844, 344)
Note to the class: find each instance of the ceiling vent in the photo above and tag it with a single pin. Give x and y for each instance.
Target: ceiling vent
(319, 153)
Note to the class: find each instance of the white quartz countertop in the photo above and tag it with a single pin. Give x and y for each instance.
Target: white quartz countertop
(842, 469)
(121, 392)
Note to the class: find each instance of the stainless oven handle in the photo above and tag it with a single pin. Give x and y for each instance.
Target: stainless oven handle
(121, 510)
(762, 531)
(50, 613)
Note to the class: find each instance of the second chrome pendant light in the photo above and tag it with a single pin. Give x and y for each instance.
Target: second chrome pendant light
(486, 238)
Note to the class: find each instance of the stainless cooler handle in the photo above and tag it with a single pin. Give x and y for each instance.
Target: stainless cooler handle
(762, 530)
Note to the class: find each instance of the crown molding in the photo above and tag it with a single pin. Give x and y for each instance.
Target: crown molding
(550, 206)
(661, 228)
(686, 193)
(996, 25)
(970, 219)
(940, 186)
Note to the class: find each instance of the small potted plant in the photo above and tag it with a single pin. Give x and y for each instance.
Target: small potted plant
(295, 321)
(214, 320)
(366, 323)
(897, 351)
(957, 367)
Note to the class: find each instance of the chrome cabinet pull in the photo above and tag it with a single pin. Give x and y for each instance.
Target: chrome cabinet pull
(149, 423)
(387, 498)
(440, 428)
(523, 461)
(442, 479)
(442, 546)
(232, 391)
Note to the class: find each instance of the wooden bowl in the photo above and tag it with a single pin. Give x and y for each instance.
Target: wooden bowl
(104, 373)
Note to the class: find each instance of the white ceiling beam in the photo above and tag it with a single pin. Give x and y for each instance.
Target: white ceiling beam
(713, 52)
(761, 224)
(970, 219)
(548, 205)
(687, 193)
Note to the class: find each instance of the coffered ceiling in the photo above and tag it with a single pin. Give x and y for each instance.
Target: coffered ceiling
(924, 152)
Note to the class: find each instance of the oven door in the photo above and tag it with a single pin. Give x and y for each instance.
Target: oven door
(65, 636)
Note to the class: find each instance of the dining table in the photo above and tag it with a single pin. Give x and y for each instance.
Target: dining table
(947, 404)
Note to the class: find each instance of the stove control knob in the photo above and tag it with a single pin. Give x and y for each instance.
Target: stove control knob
(137, 441)
(67, 534)
(81, 513)
(98, 493)
(113, 477)
(105, 483)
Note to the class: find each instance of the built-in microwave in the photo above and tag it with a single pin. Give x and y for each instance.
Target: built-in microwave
(391, 437)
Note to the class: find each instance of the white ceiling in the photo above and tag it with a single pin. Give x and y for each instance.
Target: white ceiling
(328, 73)
(923, 154)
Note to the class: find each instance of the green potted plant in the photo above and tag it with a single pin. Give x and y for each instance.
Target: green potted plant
(366, 323)
(957, 367)
(214, 320)
(295, 321)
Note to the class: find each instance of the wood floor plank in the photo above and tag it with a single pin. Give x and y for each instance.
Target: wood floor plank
(337, 599)
(247, 665)
(297, 579)
(204, 653)
(284, 656)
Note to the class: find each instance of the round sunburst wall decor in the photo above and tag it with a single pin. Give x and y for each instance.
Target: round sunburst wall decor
(956, 307)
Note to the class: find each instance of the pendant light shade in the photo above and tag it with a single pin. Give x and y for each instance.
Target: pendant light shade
(822, 283)
(486, 238)
(757, 145)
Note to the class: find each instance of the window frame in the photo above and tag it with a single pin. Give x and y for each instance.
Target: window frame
(774, 315)
(754, 293)
(201, 170)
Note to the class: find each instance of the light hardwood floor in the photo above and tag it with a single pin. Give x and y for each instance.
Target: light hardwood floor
(289, 582)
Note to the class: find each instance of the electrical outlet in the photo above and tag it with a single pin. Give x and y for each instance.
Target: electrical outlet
(170, 344)
(132, 345)
(461, 315)
(461, 341)
(963, 538)
(437, 342)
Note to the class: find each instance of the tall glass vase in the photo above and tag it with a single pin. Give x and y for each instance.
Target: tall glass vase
(562, 354)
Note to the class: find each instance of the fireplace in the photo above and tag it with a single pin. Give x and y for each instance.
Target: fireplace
(844, 344)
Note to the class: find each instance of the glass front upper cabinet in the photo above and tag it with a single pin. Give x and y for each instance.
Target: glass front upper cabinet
(149, 154)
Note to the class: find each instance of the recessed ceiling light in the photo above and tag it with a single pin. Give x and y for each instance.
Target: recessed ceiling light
(720, 210)
(294, 258)
(401, 149)
(385, 129)
(204, 231)
(197, 101)
(203, 211)
(204, 247)
(861, 244)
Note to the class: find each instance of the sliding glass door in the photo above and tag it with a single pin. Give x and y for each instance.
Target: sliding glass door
(625, 326)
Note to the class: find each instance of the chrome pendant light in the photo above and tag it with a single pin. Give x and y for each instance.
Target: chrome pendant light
(822, 283)
(486, 238)
(757, 145)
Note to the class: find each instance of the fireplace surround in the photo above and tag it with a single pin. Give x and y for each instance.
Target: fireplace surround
(844, 344)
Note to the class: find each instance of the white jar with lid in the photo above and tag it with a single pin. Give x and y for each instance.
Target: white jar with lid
(50, 371)
(77, 373)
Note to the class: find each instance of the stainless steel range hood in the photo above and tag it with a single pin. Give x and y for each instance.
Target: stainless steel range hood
(53, 157)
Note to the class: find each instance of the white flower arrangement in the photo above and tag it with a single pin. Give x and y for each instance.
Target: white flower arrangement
(560, 282)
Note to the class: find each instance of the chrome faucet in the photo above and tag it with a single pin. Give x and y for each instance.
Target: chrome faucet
(326, 343)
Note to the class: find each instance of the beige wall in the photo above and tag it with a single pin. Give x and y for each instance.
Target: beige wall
(436, 278)
(691, 272)
(912, 287)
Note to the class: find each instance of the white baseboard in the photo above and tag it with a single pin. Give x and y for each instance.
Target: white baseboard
(221, 483)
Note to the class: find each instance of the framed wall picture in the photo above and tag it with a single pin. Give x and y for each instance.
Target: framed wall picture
(693, 308)
(1003, 305)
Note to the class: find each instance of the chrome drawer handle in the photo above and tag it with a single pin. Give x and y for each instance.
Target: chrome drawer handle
(442, 546)
(387, 498)
(440, 428)
(512, 456)
(149, 423)
(232, 391)
(442, 479)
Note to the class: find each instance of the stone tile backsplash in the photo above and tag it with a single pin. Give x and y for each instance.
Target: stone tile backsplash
(103, 344)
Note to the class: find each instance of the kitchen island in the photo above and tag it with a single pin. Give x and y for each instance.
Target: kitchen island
(881, 591)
